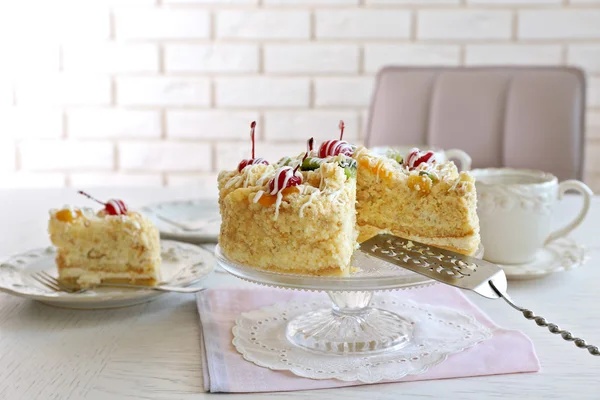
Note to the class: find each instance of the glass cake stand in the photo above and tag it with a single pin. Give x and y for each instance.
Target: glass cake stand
(350, 326)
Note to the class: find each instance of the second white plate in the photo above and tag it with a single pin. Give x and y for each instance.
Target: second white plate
(194, 221)
(560, 255)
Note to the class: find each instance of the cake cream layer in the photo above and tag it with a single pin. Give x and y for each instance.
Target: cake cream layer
(100, 244)
(432, 204)
(309, 228)
(83, 277)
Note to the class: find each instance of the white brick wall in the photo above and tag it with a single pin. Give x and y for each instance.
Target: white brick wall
(149, 23)
(311, 58)
(510, 54)
(92, 179)
(27, 122)
(164, 156)
(586, 56)
(52, 22)
(211, 58)
(63, 89)
(66, 155)
(379, 55)
(215, 125)
(110, 57)
(363, 24)
(559, 24)
(7, 155)
(161, 92)
(343, 92)
(113, 123)
(253, 24)
(464, 24)
(23, 179)
(300, 125)
(6, 92)
(262, 92)
(593, 98)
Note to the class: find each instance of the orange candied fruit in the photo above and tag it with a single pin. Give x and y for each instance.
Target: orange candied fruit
(375, 169)
(420, 183)
(267, 200)
(67, 215)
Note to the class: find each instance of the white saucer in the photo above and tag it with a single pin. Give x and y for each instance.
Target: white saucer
(561, 255)
(194, 221)
(182, 265)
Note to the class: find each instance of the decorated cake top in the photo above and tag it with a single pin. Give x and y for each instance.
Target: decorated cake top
(420, 169)
(320, 175)
(113, 210)
(305, 177)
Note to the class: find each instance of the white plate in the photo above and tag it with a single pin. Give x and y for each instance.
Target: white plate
(182, 265)
(195, 221)
(560, 255)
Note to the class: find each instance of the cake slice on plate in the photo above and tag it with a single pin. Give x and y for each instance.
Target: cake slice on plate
(112, 245)
(417, 198)
(288, 218)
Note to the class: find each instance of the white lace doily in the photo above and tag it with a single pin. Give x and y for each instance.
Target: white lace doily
(259, 336)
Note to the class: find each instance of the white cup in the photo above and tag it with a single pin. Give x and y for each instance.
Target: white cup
(463, 158)
(515, 208)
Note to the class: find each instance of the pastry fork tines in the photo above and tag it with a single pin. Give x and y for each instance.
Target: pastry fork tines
(455, 269)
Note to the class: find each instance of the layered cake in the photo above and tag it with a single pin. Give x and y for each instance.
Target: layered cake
(416, 198)
(288, 218)
(302, 214)
(111, 245)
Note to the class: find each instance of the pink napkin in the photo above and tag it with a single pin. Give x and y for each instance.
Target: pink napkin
(226, 371)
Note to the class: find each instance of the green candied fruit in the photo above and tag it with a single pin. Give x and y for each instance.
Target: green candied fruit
(284, 162)
(350, 172)
(396, 156)
(310, 164)
(431, 176)
(349, 165)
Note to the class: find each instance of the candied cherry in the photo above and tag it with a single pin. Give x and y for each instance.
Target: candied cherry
(285, 177)
(417, 157)
(335, 147)
(112, 207)
(253, 161)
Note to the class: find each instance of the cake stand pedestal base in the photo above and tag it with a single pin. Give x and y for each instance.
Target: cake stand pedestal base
(350, 327)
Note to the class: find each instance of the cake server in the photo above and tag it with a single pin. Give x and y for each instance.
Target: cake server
(455, 269)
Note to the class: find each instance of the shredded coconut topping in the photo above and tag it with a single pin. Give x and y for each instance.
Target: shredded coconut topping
(257, 196)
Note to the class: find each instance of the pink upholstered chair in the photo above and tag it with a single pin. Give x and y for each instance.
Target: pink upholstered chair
(520, 117)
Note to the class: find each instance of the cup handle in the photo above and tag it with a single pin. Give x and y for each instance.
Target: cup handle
(576, 186)
(462, 157)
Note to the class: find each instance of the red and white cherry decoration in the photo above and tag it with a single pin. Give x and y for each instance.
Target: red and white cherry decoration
(253, 161)
(335, 147)
(112, 207)
(417, 157)
(286, 177)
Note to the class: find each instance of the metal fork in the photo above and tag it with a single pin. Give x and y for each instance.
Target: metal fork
(52, 283)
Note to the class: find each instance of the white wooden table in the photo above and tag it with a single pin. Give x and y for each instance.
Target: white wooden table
(151, 351)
